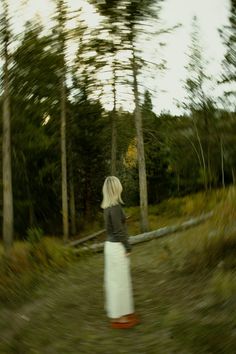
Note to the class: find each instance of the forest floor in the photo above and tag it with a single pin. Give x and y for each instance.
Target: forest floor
(182, 311)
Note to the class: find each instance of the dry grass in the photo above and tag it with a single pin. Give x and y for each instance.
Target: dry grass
(184, 300)
(181, 313)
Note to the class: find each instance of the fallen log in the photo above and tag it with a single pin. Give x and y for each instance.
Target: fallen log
(87, 238)
(156, 233)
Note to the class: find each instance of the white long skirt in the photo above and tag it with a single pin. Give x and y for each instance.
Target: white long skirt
(117, 281)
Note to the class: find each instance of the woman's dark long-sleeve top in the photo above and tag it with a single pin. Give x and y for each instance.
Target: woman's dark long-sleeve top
(116, 226)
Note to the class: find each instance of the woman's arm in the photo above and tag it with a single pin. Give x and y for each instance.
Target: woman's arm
(118, 225)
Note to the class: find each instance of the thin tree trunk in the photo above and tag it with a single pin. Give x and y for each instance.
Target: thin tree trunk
(202, 155)
(72, 206)
(178, 182)
(195, 150)
(207, 132)
(29, 195)
(64, 163)
(113, 142)
(140, 148)
(31, 205)
(233, 175)
(113, 127)
(222, 163)
(87, 195)
(209, 178)
(61, 8)
(6, 151)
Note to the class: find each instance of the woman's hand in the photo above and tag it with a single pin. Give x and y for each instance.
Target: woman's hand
(127, 254)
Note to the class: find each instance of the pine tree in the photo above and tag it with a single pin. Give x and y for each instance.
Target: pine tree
(127, 15)
(229, 37)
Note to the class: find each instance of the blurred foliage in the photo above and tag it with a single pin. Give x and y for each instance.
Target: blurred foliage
(184, 155)
(175, 146)
(28, 261)
(188, 307)
(214, 244)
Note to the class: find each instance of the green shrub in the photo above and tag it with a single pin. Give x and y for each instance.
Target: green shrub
(221, 243)
(34, 235)
(215, 240)
(37, 253)
(21, 270)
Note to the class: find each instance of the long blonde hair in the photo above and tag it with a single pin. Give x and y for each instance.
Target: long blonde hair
(111, 191)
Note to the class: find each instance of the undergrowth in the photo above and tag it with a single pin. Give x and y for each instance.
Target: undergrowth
(214, 245)
(27, 262)
(184, 289)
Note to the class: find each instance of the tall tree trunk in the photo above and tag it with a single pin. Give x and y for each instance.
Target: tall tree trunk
(178, 181)
(209, 174)
(222, 163)
(31, 205)
(113, 127)
(140, 148)
(64, 163)
(202, 155)
(233, 175)
(113, 142)
(6, 149)
(61, 17)
(29, 195)
(207, 132)
(72, 208)
(195, 150)
(72, 205)
(87, 195)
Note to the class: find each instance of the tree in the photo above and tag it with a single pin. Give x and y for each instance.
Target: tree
(198, 100)
(89, 146)
(61, 40)
(229, 62)
(97, 57)
(35, 136)
(140, 148)
(101, 53)
(8, 228)
(127, 15)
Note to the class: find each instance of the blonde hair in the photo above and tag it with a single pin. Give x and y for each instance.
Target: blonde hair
(111, 191)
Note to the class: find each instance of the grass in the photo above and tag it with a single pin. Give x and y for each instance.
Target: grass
(186, 305)
(174, 210)
(180, 313)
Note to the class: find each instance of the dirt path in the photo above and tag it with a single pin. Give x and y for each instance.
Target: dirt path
(67, 315)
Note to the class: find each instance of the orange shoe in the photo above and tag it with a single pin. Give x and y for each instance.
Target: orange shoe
(122, 325)
(133, 320)
(133, 317)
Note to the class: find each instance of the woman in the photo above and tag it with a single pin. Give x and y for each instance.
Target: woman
(117, 280)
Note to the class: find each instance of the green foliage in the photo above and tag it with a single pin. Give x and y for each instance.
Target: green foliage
(188, 310)
(35, 156)
(34, 235)
(27, 261)
(88, 161)
(174, 161)
(228, 35)
(211, 246)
